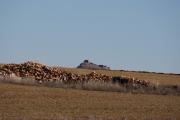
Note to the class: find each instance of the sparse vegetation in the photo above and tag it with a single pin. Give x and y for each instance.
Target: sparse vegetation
(103, 86)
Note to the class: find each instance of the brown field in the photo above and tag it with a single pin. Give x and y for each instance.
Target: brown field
(26, 102)
(162, 79)
(21, 102)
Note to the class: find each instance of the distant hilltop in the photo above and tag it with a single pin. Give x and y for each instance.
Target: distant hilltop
(88, 65)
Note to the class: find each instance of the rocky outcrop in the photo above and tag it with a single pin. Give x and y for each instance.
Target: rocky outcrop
(88, 65)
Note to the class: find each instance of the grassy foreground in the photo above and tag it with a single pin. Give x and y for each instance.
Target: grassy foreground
(20, 102)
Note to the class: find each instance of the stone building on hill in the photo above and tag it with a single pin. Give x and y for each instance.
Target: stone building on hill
(88, 65)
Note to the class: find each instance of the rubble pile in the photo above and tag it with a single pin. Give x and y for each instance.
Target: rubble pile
(42, 73)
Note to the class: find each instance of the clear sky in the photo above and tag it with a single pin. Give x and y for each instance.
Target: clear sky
(122, 34)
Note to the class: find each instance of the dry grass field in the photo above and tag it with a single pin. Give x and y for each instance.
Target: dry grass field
(163, 79)
(21, 102)
(27, 102)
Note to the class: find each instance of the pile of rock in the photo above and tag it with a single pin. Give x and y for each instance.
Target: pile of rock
(42, 73)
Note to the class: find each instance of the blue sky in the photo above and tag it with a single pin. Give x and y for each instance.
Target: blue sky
(123, 34)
